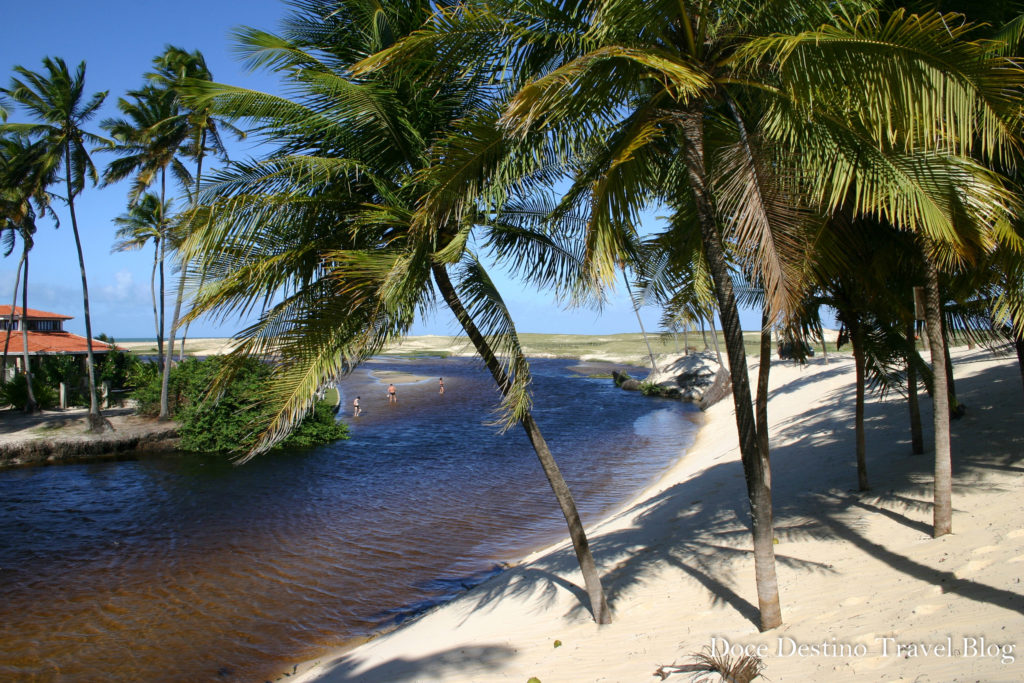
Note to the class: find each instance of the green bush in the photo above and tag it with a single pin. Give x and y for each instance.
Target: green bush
(53, 370)
(15, 393)
(115, 366)
(232, 421)
(318, 427)
(650, 389)
(144, 383)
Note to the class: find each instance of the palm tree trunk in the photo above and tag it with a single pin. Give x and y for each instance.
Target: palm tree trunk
(163, 260)
(181, 349)
(916, 434)
(97, 423)
(31, 406)
(824, 345)
(714, 336)
(857, 342)
(165, 413)
(956, 410)
(580, 544)
(755, 464)
(10, 323)
(703, 334)
(636, 311)
(942, 510)
(162, 336)
(1018, 343)
(763, 369)
(152, 291)
(163, 287)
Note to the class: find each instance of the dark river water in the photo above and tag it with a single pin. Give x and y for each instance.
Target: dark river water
(177, 567)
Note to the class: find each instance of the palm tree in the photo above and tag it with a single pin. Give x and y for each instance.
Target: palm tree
(55, 100)
(710, 105)
(200, 133)
(144, 221)
(148, 140)
(24, 178)
(341, 223)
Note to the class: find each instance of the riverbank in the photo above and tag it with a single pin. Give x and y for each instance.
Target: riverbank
(60, 436)
(866, 593)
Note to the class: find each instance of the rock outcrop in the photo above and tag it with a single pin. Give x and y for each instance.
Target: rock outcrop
(696, 377)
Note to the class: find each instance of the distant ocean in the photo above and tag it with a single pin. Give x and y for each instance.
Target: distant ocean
(183, 568)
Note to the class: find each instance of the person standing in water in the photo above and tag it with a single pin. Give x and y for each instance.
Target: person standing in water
(442, 386)
(392, 394)
(355, 407)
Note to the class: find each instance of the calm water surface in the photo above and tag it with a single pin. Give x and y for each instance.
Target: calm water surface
(186, 568)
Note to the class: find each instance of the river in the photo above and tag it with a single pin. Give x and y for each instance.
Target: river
(178, 567)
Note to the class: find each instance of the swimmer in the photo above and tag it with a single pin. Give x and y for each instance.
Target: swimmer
(392, 394)
(355, 407)
(442, 386)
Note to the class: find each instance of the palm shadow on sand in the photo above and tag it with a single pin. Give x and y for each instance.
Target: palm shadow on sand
(701, 526)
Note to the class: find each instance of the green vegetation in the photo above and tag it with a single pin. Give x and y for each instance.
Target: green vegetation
(15, 393)
(788, 146)
(119, 368)
(332, 396)
(230, 421)
(55, 100)
(650, 389)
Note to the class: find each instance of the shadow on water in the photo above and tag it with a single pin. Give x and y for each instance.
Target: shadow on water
(440, 590)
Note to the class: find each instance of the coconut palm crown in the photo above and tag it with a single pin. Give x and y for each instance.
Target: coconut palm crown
(326, 238)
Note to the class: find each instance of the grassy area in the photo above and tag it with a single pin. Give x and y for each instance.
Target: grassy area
(625, 348)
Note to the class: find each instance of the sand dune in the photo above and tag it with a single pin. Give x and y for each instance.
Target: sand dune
(867, 594)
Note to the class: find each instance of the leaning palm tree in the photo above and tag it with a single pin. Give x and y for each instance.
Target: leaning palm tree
(339, 224)
(56, 101)
(736, 108)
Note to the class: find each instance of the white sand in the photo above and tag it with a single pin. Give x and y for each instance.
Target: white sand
(866, 592)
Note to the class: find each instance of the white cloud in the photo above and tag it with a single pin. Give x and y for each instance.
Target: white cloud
(124, 290)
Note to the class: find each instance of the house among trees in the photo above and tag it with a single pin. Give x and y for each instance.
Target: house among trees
(46, 336)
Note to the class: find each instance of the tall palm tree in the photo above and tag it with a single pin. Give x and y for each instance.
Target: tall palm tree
(146, 221)
(176, 68)
(23, 179)
(147, 141)
(335, 221)
(711, 105)
(56, 101)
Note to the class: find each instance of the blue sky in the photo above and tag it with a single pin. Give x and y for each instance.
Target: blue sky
(118, 40)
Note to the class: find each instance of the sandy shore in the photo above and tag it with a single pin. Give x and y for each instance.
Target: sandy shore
(867, 594)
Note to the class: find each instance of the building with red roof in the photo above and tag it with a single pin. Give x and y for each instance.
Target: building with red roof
(46, 335)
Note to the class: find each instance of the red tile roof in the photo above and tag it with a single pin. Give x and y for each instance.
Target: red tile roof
(51, 342)
(5, 312)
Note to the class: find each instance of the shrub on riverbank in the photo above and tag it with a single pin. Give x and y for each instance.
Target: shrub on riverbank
(15, 393)
(230, 422)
